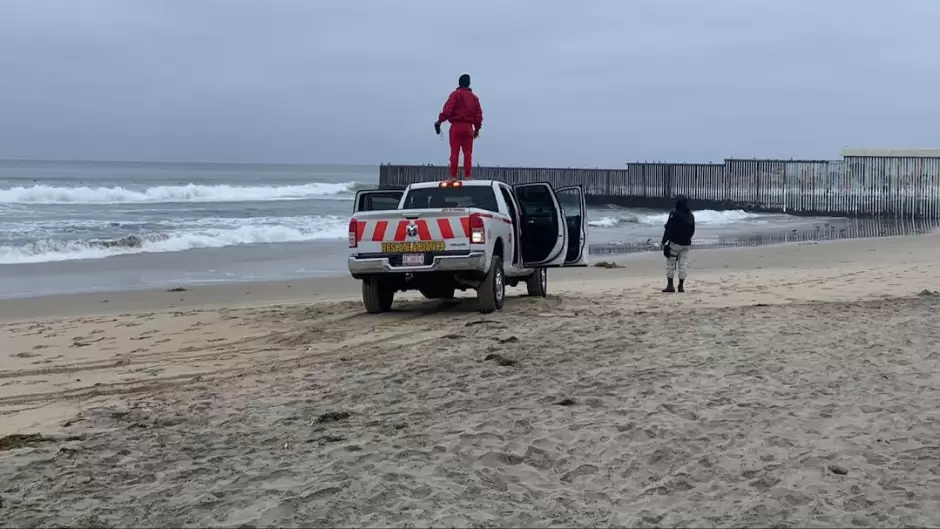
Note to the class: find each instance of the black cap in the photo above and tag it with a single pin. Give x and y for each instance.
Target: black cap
(464, 81)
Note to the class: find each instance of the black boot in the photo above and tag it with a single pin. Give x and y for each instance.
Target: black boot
(669, 287)
(681, 285)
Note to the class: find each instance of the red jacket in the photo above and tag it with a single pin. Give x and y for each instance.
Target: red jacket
(463, 106)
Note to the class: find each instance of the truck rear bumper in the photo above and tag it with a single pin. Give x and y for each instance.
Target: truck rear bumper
(472, 262)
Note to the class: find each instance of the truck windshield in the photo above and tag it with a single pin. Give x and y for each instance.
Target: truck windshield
(481, 197)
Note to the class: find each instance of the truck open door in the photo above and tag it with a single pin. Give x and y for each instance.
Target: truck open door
(574, 210)
(377, 200)
(544, 230)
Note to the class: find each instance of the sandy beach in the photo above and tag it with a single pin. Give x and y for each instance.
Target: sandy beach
(792, 386)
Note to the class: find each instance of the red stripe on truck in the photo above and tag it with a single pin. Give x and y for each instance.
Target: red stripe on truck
(444, 226)
(400, 231)
(423, 232)
(497, 217)
(360, 229)
(465, 224)
(379, 234)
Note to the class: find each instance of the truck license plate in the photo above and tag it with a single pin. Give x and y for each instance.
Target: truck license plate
(412, 259)
(413, 247)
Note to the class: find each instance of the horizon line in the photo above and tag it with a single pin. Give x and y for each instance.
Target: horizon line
(168, 162)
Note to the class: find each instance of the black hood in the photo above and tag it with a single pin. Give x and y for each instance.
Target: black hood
(682, 203)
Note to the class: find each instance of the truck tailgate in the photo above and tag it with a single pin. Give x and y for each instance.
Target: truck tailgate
(413, 231)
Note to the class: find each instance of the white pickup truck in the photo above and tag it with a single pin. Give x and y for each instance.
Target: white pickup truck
(437, 237)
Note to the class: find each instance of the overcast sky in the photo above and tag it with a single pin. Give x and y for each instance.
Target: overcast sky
(562, 83)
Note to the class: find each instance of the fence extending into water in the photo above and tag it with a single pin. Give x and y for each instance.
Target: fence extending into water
(901, 184)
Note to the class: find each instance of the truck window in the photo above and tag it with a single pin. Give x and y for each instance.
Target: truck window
(507, 198)
(570, 204)
(379, 201)
(536, 201)
(481, 197)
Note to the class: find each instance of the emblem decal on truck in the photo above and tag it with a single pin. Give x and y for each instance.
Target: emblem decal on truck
(412, 230)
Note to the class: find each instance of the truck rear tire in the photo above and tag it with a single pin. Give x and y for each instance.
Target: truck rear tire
(492, 292)
(537, 283)
(376, 296)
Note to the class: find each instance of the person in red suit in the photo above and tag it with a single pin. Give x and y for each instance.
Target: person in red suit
(465, 115)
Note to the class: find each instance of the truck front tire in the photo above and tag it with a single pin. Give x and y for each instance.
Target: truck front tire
(492, 292)
(537, 283)
(376, 296)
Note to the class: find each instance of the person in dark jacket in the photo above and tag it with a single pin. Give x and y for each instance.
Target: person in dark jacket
(677, 241)
(465, 115)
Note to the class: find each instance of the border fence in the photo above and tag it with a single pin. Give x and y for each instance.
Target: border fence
(865, 183)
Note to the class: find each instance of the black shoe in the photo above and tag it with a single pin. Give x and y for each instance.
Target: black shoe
(681, 285)
(669, 287)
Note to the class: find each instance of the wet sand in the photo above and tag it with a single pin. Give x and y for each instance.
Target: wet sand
(791, 386)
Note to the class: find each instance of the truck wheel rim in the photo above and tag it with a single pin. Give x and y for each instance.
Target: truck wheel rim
(499, 284)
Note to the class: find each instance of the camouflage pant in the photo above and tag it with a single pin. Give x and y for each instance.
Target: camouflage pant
(678, 258)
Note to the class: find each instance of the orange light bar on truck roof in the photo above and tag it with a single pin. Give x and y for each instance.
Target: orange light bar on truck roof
(451, 183)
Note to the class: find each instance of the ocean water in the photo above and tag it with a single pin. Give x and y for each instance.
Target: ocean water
(58, 212)
(80, 226)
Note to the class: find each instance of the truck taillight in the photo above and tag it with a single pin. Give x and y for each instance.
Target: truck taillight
(477, 229)
(353, 233)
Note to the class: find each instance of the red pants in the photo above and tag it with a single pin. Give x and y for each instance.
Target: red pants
(461, 137)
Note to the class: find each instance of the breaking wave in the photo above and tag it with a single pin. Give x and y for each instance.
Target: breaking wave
(46, 250)
(611, 222)
(706, 216)
(42, 194)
